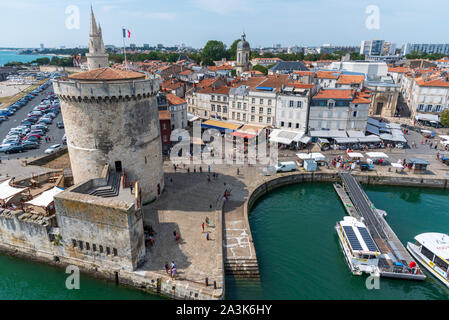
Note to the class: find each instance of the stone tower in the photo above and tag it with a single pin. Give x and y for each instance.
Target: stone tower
(111, 117)
(97, 57)
(243, 51)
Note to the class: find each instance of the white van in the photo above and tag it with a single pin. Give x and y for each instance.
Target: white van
(286, 166)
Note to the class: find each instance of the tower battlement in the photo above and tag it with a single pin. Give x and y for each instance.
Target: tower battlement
(106, 90)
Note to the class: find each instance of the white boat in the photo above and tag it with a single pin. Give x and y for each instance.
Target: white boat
(359, 249)
(432, 251)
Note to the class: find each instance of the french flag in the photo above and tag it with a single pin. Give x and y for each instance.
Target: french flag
(126, 33)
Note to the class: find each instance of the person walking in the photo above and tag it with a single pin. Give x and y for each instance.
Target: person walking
(202, 226)
(207, 221)
(208, 169)
(207, 235)
(194, 169)
(167, 267)
(175, 234)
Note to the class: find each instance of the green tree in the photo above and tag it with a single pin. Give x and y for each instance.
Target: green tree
(444, 118)
(233, 50)
(233, 73)
(261, 68)
(42, 61)
(213, 50)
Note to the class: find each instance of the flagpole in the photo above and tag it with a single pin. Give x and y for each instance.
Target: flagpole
(124, 48)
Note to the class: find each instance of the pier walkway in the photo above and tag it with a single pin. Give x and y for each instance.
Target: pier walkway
(393, 252)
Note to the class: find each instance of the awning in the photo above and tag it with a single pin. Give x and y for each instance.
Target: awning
(328, 134)
(355, 134)
(427, 117)
(285, 136)
(377, 155)
(444, 137)
(346, 140)
(390, 137)
(194, 118)
(305, 139)
(418, 161)
(355, 155)
(372, 129)
(6, 191)
(45, 198)
(220, 125)
(368, 139)
(243, 135)
(311, 156)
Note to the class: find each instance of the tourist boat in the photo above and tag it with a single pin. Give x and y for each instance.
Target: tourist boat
(359, 249)
(432, 251)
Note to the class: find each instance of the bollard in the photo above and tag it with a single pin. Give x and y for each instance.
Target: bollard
(207, 282)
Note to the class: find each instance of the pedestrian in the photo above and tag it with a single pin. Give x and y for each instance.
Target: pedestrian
(207, 235)
(177, 237)
(202, 226)
(208, 178)
(208, 169)
(194, 169)
(174, 234)
(201, 169)
(167, 267)
(188, 170)
(238, 171)
(172, 265)
(173, 272)
(207, 221)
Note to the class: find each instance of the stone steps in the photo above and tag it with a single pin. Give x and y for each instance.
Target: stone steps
(111, 189)
(242, 268)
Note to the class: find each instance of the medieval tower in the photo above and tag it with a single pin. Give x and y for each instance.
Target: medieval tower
(111, 118)
(243, 52)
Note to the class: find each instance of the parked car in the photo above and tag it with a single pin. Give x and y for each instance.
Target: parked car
(64, 139)
(14, 148)
(28, 145)
(53, 148)
(45, 120)
(60, 125)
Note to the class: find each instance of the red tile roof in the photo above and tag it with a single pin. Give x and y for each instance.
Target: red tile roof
(433, 83)
(327, 74)
(334, 94)
(107, 74)
(398, 69)
(350, 79)
(174, 100)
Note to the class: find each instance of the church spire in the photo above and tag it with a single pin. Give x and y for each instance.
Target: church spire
(97, 57)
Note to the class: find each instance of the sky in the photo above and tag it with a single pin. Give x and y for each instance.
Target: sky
(27, 23)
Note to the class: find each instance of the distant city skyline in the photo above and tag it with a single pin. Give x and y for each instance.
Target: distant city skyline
(194, 22)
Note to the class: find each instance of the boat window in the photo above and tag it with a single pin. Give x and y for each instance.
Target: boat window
(441, 263)
(427, 253)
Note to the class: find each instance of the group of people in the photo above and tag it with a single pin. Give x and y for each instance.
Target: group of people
(340, 163)
(149, 235)
(49, 139)
(171, 269)
(207, 222)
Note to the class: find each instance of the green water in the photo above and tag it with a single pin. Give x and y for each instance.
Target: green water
(21, 279)
(298, 251)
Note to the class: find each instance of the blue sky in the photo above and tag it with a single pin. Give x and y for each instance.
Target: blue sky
(27, 23)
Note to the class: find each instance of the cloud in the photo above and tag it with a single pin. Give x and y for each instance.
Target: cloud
(223, 6)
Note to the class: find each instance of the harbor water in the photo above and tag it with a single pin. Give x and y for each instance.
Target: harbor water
(299, 254)
(297, 249)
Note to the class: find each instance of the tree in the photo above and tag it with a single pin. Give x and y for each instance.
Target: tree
(213, 50)
(233, 50)
(261, 68)
(42, 61)
(444, 118)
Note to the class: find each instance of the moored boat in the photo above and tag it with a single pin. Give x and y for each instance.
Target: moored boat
(359, 249)
(432, 251)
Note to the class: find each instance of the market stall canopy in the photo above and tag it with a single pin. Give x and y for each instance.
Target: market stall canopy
(372, 129)
(311, 156)
(397, 165)
(355, 134)
(377, 155)
(346, 140)
(370, 138)
(45, 198)
(355, 155)
(285, 136)
(444, 137)
(390, 137)
(6, 191)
